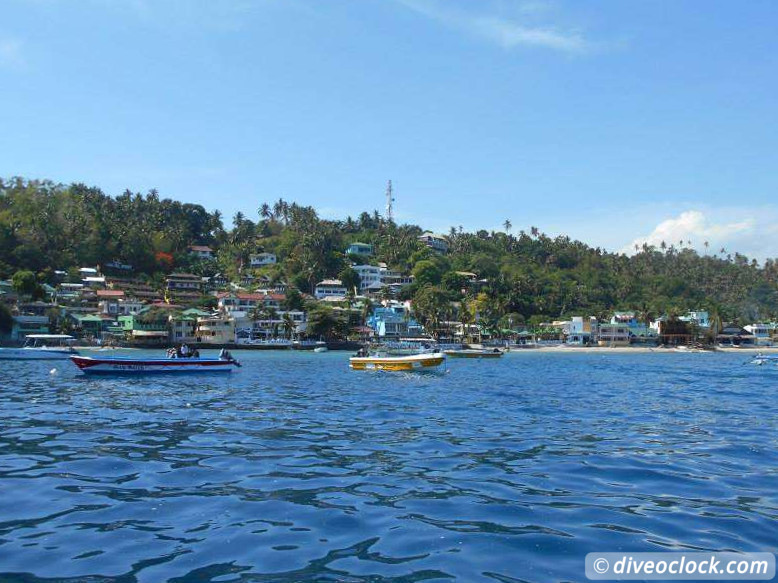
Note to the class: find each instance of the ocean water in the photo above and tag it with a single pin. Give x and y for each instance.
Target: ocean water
(295, 468)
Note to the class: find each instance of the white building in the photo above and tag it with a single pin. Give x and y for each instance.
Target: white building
(373, 278)
(700, 319)
(262, 259)
(437, 242)
(581, 331)
(201, 251)
(369, 277)
(763, 333)
(329, 288)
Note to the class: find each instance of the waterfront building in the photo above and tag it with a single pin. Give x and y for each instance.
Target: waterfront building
(394, 321)
(581, 331)
(613, 334)
(762, 333)
(25, 324)
(218, 329)
(147, 326)
(701, 319)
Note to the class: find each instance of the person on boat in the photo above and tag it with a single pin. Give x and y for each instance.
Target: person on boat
(361, 353)
(224, 355)
(195, 353)
(185, 351)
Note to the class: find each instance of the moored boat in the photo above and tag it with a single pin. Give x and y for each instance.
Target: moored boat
(397, 363)
(474, 353)
(91, 365)
(41, 347)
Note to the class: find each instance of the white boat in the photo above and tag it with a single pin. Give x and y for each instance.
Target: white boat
(41, 347)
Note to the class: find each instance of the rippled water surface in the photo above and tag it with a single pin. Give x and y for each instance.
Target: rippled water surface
(295, 468)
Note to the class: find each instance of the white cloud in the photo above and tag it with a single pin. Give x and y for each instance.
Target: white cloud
(697, 227)
(509, 30)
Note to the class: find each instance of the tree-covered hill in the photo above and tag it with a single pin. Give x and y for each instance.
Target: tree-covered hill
(524, 277)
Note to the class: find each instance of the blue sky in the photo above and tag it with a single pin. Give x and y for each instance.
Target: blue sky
(610, 120)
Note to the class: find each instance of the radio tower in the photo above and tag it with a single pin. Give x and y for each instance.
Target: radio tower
(389, 201)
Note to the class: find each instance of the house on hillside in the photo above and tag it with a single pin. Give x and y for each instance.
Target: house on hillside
(201, 251)
(262, 259)
(361, 249)
(436, 242)
(329, 288)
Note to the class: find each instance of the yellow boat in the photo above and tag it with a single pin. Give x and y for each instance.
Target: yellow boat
(397, 363)
(473, 353)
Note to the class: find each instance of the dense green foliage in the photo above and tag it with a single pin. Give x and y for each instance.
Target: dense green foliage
(526, 277)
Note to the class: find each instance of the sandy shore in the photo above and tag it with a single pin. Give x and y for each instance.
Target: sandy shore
(641, 349)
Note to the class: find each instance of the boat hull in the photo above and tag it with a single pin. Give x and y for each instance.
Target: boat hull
(35, 354)
(89, 365)
(398, 363)
(472, 354)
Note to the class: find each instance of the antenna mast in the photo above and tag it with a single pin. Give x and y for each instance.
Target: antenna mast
(389, 201)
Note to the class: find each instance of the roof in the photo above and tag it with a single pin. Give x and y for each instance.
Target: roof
(203, 248)
(50, 336)
(184, 276)
(335, 282)
(110, 293)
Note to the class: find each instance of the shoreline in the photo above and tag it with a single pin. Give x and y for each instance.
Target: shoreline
(643, 349)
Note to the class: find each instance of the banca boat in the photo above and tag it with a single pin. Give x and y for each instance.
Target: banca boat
(397, 363)
(109, 365)
(41, 347)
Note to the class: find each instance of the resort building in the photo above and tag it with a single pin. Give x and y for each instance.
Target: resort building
(613, 335)
(232, 302)
(762, 333)
(262, 259)
(28, 324)
(201, 251)
(329, 288)
(363, 249)
(215, 330)
(184, 287)
(581, 331)
(145, 327)
(698, 318)
(394, 321)
(437, 242)
(374, 278)
(369, 278)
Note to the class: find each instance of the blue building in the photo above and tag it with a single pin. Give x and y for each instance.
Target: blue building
(394, 321)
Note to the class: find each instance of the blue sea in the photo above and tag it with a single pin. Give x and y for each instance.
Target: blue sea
(295, 468)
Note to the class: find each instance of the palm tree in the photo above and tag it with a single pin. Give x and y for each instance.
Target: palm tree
(507, 224)
(289, 326)
(264, 211)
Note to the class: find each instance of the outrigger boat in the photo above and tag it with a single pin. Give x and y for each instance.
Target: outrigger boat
(474, 353)
(762, 359)
(90, 365)
(397, 363)
(41, 347)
